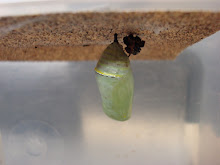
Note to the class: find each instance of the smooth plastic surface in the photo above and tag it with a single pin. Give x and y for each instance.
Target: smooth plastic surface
(26, 7)
(51, 113)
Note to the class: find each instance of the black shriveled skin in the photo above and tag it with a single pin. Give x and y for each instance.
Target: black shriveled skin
(134, 44)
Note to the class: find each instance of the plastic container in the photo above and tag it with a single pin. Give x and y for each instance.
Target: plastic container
(51, 113)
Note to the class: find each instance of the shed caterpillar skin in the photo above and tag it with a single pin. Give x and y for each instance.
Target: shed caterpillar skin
(115, 82)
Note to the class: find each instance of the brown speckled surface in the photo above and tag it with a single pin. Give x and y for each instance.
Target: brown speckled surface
(83, 36)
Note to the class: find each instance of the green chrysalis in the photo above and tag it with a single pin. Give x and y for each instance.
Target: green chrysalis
(115, 82)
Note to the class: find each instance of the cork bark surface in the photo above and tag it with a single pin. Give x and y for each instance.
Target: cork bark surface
(83, 36)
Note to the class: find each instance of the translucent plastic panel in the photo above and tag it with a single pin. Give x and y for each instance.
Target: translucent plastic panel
(51, 113)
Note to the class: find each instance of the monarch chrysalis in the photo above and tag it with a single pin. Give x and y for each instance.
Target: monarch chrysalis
(115, 82)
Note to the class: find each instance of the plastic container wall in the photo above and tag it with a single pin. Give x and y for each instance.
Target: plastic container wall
(51, 113)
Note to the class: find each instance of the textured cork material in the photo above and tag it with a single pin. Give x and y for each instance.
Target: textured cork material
(83, 36)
